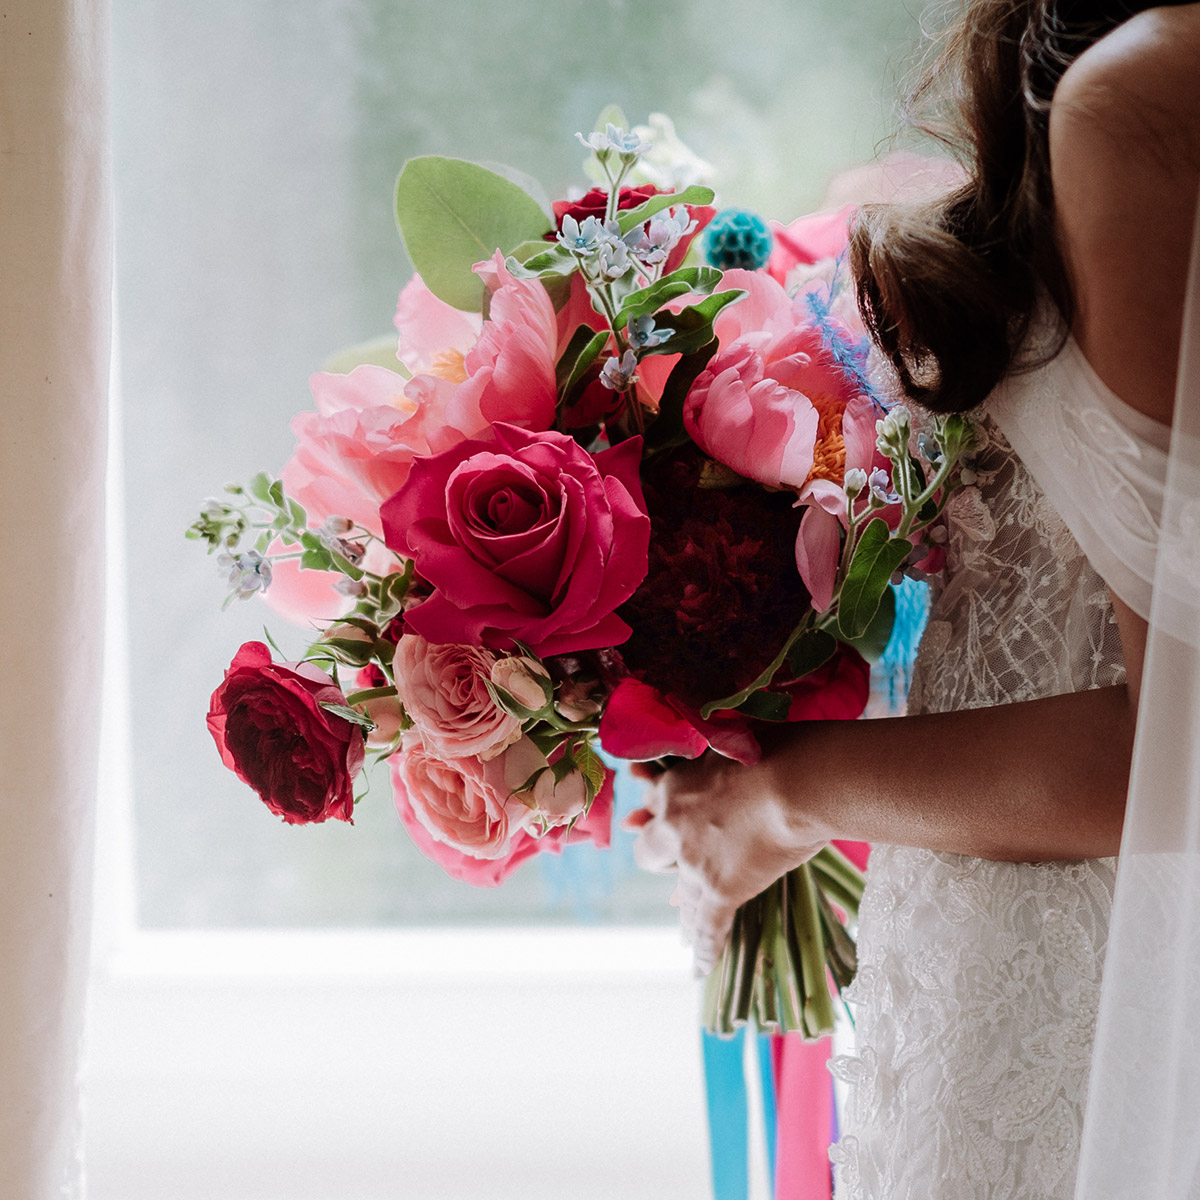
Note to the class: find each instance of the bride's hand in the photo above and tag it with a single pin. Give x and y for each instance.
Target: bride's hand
(730, 831)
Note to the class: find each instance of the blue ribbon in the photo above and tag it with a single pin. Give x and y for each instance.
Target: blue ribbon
(728, 1113)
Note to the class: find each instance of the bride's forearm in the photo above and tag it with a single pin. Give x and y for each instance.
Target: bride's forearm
(1034, 781)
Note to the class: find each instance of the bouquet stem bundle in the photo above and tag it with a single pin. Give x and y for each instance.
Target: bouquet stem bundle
(788, 948)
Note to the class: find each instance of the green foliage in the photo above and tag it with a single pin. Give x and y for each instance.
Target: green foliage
(698, 281)
(630, 218)
(876, 557)
(667, 429)
(692, 326)
(878, 633)
(453, 214)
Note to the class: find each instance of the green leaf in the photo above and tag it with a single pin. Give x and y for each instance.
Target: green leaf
(811, 650)
(766, 706)
(877, 635)
(764, 677)
(876, 557)
(260, 487)
(275, 491)
(693, 326)
(582, 351)
(316, 560)
(667, 429)
(453, 214)
(700, 281)
(633, 217)
(589, 764)
(550, 260)
(349, 714)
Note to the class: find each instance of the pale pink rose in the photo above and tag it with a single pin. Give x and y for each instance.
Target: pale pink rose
(554, 803)
(595, 826)
(462, 803)
(357, 448)
(523, 679)
(443, 688)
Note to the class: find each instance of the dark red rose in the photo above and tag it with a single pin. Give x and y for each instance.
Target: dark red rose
(272, 732)
(594, 203)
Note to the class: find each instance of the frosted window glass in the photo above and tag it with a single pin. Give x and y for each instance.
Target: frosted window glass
(257, 143)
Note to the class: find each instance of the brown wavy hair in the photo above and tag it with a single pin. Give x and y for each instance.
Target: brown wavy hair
(948, 287)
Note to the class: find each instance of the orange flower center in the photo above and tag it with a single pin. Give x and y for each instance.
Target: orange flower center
(450, 366)
(829, 452)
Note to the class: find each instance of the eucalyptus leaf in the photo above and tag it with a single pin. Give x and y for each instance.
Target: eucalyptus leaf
(316, 560)
(260, 487)
(876, 557)
(378, 352)
(453, 214)
(630, 218)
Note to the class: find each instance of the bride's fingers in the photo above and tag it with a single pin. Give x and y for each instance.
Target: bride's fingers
(657, 846)
(631, 822)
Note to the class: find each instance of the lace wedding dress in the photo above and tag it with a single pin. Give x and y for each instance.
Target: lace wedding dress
(979, 982)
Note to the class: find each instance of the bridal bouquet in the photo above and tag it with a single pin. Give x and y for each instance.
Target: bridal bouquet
(601, 495)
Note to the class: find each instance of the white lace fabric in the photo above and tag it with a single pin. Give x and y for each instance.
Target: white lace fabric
(979, 981)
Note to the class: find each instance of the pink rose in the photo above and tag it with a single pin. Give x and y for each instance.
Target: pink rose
(455, 793)
(272, 732)
(444, 691)
(526, 537)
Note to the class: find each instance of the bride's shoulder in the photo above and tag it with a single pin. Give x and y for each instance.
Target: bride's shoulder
(1142, 81)
(1125, 167)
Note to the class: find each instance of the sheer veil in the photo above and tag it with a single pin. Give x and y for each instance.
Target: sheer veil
(1142, 1128)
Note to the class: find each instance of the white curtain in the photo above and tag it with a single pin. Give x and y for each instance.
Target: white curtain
(55, 287)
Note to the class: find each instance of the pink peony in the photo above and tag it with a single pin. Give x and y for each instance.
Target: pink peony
(433, 335)
(776, 406)
(509, 372)
(808, 240)
(525, 537)
(273, 733)
(640, 723)
(455, 793)
(357, 448)
(444, 691)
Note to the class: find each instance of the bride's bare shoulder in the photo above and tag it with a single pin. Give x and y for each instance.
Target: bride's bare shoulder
(1125, 165)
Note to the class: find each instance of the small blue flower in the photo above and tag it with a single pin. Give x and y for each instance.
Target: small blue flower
(582, 238)
(664, 233)
(854, 482)
(929, 450)
(617, 374)
(878, 482)
(643, 333)
(627, 144)
(248, 572)
(612, 258)
(737, 238)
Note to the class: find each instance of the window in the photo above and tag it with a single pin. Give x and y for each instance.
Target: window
(256, 146)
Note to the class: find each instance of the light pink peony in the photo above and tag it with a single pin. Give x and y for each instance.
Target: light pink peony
(444, 691)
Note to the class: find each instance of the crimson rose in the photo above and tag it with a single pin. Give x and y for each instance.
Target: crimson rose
(272, 732)
(524, 537)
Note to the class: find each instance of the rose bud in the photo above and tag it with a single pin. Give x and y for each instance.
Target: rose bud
(524, 679)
